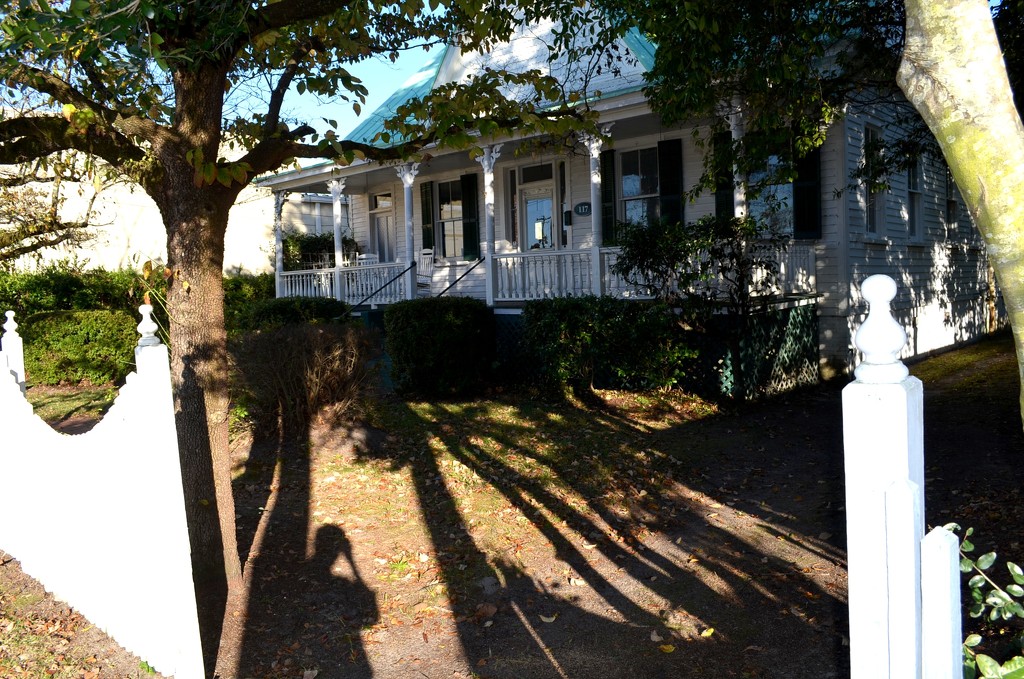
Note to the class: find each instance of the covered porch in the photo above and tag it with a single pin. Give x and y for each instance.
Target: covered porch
(402, 264)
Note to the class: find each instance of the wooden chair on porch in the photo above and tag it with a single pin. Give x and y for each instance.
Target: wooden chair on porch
(424, 271)
(367, 259)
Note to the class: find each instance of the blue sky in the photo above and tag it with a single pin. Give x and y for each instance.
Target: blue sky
(381, 78)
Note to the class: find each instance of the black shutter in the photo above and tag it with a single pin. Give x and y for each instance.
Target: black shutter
(608, 230)
(807, 197)
(725, 198)
(427, 216)
(470, 217)
(670, 179)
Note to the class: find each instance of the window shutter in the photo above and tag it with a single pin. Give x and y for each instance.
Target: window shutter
(725, 198)
(608, 230)
(670, 179)
(427, 213)
(470, 217)
(807, 197)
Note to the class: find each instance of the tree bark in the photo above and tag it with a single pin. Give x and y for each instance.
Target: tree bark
(953, 73)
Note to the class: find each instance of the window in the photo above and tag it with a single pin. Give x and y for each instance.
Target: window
(639, 185)
(449, 217)
(875, 194)
(914, 199)
(952, 213)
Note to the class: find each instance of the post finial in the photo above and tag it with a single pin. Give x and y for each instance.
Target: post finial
(10, 325)
(148, 327)
(880, 338)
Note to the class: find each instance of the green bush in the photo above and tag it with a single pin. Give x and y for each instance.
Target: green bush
(242, 292)
(275, 313)
(61, 287)
(582, 342)
(287, 375)
(78, 346)
(440, 346)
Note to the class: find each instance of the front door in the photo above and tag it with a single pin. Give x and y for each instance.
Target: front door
(384, 237)
(538, 216)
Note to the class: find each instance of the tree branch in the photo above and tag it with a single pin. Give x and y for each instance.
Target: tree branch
(277, 96)
(33, 137)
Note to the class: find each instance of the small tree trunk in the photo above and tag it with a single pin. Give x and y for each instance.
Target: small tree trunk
(953, 73)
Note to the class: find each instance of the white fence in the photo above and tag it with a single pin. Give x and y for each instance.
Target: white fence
(99, 518)
(904, 589)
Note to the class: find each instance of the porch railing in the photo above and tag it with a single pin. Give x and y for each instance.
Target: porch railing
(350, 284)
(523, 276)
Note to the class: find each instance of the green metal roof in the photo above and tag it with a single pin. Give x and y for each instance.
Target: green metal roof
(418, 85)
(642, 48)
(423, 81)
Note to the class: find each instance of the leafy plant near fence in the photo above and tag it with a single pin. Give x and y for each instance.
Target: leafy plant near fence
(78, 346)
(992, 602)
(440, 346)
(582, 342)
(290, 374)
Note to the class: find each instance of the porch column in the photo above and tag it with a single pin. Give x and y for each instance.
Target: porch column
(487, 161)
(279, 198)
(594, 144)
(407, 173)
(737, 128)
(337, 187)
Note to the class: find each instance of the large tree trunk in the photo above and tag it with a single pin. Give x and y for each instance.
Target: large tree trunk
(953, 73)
(196, 220)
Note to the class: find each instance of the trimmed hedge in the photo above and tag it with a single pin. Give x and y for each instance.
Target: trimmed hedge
(440, 346)
(79, 346)
(61, 288)
(275, 313)
(583, 342)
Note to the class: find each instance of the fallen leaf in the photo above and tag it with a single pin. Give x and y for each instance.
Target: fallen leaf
(547, 619)
(588, 546)
(708, 632)
(667, 648)
(485, 610)
(655, 637)
(576, 582)
(310, 674)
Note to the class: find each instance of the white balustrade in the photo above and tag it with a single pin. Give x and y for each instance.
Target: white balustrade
(357, 283)
(540, 275)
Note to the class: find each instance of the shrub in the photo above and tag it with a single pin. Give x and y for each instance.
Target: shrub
(580, 342)
(275, 313)
(78, 346)
(290, 374)
(440, 346)
(243, 291)
(61, 287)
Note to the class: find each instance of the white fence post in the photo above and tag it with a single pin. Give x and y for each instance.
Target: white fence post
(883, 437)
(940, 606)
(12, 352)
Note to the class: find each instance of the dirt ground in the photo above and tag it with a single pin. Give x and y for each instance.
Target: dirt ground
(446, 540)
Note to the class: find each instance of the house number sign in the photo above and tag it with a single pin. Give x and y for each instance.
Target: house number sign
(582, 209)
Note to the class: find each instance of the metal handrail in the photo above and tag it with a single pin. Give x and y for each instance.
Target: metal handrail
(464, 273)
(395, 278)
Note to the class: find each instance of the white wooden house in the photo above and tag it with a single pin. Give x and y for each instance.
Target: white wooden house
(509, 227)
